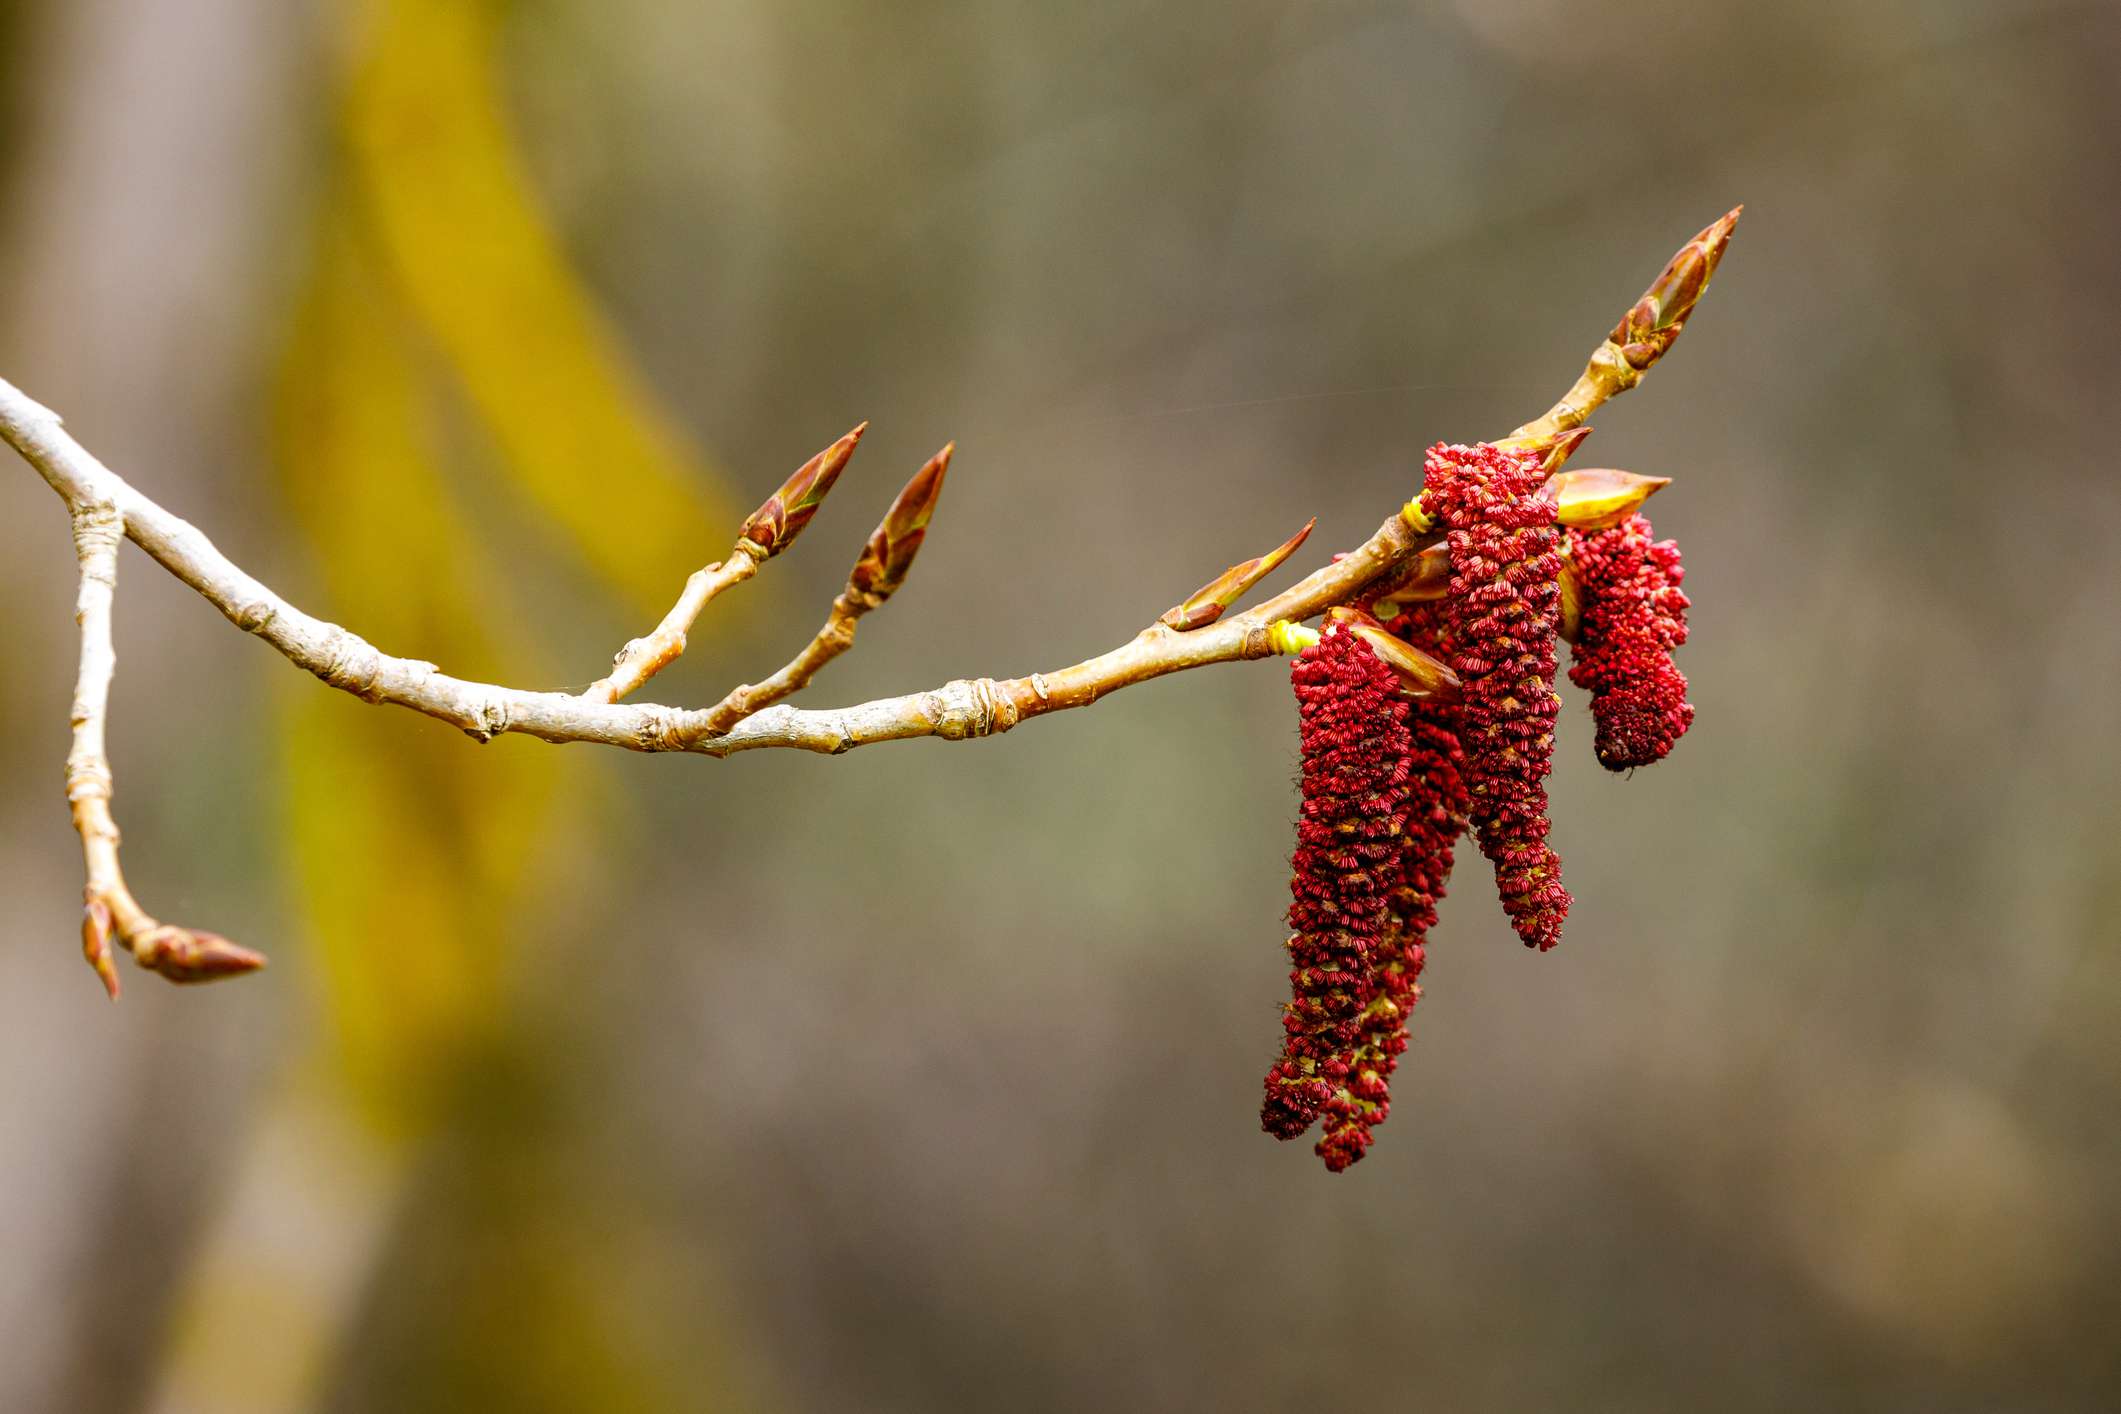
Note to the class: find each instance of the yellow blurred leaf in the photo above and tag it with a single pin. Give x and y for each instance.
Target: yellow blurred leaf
(412, 848)
(457, 219)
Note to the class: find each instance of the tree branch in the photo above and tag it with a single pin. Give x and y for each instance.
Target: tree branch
(345, 660)
(1644, 333)
(642, 658)
(886, 559)
(104, 506)
(769, 530)
(109, 908)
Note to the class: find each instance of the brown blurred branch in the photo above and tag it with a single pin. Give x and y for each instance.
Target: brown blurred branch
(105, 506)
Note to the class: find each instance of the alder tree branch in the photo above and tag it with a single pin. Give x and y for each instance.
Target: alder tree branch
(1192, 634)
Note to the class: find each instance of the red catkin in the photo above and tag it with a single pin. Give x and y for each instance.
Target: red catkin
(1634, 615)
(1435, 816)
(1501, 615)
(1356, 751)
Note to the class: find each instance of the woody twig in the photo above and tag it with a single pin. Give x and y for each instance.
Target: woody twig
(1649, 328)
(1390, 565)
(109, 910)
(876, 576)
(769, 530)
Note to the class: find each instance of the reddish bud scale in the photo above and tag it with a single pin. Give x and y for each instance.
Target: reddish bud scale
(888, 556)
(1347, 861)
(774, 525)
(1501, 615)
(97, 930)
(193, 954)
(1634, 615)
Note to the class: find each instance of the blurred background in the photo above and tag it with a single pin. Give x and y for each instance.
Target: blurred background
(927, 1078)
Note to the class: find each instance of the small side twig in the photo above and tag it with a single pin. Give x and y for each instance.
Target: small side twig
(1650, 327)
(770, 529)
(642, 658)
(876, 576)
(109, 909)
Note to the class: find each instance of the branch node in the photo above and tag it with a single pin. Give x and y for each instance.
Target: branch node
(489, 718)
(254, 615)
(90, 780)
(98, 527)
(972, 708)
(352, 664)
(663, 728)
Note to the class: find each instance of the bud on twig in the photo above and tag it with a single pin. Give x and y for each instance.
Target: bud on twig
(1648, 329)
(95, 943)
(1421, 678)
(1598, 498)
(897, 539)
(193, 955)
(1206, 604)
(1553, 448)
(773, 527)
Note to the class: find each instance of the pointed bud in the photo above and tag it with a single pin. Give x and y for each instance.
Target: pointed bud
(1206, 604)
(1598, 498)
(1648, 329)
(1426, 576)
(1553, 449)
(193, 955)
(1421, 677)
(897, 538)
(774, 526)
(95, 943)
(1571, 626)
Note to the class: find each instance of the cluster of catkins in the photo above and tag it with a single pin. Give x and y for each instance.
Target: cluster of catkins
(1389, 784)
